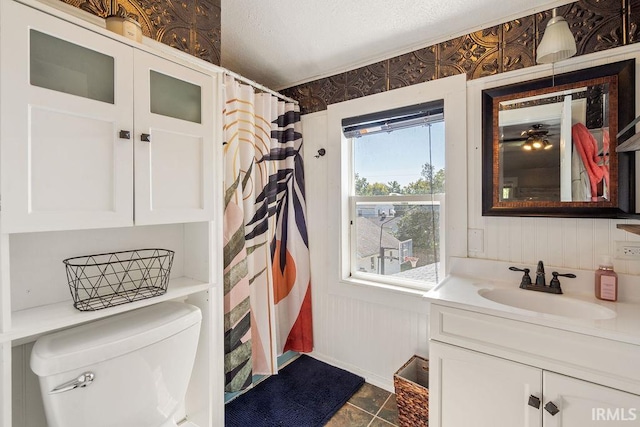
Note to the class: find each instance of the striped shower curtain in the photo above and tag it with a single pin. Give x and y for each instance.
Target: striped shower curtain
(267, 292)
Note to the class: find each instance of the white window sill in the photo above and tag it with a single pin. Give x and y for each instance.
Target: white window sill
(385, 294)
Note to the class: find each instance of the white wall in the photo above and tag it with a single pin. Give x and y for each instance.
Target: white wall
(372, 330)
(374, 339)
(365, 338)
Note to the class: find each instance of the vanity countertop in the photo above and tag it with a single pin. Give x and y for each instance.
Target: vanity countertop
(465, 292)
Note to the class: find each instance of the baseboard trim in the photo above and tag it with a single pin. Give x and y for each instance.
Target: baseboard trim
(370, 377)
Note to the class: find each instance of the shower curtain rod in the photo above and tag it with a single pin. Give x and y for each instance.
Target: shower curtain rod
(259, 86)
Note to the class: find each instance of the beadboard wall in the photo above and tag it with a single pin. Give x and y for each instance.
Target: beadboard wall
(365, 338)
(375, 340)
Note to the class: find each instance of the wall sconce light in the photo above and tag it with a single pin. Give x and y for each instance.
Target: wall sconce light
(557, 42)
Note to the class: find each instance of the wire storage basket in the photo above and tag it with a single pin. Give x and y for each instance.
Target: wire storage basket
(106, 280)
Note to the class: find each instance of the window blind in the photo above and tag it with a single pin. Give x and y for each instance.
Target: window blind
(390, 120)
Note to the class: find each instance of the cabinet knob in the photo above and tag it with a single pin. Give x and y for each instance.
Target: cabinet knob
(125, 134)
(534, 401)
(145, 137)
(551, 408)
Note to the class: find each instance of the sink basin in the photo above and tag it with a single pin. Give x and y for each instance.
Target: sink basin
(558, 305)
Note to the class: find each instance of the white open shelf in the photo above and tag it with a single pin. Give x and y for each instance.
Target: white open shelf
(38, 320)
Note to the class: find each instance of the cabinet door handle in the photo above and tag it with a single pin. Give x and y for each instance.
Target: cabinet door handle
(534, 401)
(125, 134)
(145, 137)
(551, 408)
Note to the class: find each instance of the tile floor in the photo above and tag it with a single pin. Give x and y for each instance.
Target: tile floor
(370, 406)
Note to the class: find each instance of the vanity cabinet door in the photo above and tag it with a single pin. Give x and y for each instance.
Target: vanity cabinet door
(468, 388)
(174, 153)
(582, 404)
(67, 92)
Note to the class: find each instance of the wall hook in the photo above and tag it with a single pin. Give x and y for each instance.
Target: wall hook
(321, 152)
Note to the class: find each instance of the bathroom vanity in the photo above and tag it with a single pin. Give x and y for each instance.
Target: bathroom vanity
(504, 356)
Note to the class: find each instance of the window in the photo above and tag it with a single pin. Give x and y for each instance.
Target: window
(335, 203)
(396, 197)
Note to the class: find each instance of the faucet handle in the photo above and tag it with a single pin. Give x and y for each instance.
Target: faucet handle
(526, 279)
(555, 283)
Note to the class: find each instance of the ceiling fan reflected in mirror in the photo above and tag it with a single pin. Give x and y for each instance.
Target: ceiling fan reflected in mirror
(534, 138)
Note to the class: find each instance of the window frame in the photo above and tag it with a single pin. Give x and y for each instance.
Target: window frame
(453, 91)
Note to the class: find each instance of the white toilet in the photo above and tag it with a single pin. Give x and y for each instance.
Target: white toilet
(128, 370)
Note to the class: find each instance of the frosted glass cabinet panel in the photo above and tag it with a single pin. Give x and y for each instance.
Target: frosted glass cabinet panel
(175, 98)
(66, 98)
(67, 67)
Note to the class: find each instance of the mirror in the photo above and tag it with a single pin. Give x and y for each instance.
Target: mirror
(549, 145)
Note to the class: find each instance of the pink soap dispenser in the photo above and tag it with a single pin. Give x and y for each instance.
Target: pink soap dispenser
(606, 280)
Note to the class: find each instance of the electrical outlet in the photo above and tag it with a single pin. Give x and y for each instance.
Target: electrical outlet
(627, 250)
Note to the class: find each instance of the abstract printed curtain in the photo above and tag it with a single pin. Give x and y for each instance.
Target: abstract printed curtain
(267, 291)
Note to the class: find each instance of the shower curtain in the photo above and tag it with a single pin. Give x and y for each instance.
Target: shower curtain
(267, 291)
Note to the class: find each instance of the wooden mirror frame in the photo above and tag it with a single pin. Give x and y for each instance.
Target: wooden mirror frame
(621, 79)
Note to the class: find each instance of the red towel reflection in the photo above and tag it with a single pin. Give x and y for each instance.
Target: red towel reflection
(594, 164)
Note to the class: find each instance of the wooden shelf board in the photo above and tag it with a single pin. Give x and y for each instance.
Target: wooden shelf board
(631, 228)
(39, 320)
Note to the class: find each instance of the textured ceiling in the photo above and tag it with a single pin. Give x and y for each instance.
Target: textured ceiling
(280, 43)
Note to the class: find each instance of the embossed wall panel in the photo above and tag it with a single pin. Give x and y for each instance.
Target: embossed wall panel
(476, 54)
(633, 21)
(518, 44)
(316, 95)
(366, 80)
(192, 26)
(412, 68)
(596, 24)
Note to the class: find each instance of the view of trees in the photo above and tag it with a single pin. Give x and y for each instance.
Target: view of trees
(420, 225)
(423, 185)
(416, 222)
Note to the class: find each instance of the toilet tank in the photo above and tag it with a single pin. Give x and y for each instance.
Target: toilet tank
(135, 367)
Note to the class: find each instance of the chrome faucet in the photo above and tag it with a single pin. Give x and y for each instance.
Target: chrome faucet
(540, 285)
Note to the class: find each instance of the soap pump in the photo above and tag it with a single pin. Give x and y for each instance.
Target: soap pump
(606, 280)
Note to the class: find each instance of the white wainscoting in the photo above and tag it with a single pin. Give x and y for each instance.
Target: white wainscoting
(369, 339)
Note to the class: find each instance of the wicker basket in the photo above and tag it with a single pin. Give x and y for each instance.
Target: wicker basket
(106, 280)
(411, 383)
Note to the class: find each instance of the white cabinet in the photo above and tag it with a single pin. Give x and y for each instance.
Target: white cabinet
(105, 145)
(174, 173)
(581, 403)
(472, 388)
(87, 114)
(494, 372)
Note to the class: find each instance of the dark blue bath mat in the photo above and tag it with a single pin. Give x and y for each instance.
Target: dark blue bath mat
(306, 393)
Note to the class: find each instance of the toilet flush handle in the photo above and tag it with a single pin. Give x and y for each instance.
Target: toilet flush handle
(82, 380)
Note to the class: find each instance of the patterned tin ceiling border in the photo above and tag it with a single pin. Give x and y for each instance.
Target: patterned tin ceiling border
(192, 26)
(597, 25)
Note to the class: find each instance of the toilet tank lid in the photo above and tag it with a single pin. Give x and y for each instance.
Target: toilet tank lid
(113, 336)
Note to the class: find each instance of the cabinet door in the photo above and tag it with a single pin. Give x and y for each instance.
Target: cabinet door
(173, 142)
(66, 94)
(473, 389)
(581, 404)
